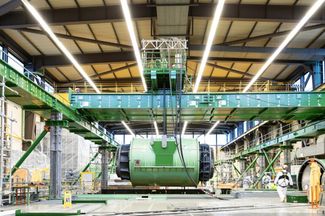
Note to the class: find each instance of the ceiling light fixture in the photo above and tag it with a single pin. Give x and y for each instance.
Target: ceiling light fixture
(156, 128)
(213, 29)
(129, 24)
(184, 127)
(128, 128)
(286, 41)
(59, 44)
(212, 128)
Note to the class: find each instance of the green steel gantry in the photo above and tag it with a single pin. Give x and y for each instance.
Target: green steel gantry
(203, 106)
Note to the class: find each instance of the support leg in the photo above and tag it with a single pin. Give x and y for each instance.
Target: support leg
(55, 158)
(104, 163)
(287, 157)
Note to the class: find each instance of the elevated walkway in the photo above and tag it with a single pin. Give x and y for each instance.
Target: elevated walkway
(31, 96)
(308, 131)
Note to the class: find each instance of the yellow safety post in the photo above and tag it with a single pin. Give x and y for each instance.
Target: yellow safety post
(67, 201)
(314, 186)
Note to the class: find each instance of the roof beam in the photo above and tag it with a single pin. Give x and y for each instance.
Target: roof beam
(201, 47)
(91, 58)
(112, 71)
(264, 50)
(9, 6)
(82, 15)
(271, 35)
(21, 54)
(114, 57)
(100, 14)
(137, 81)
(118, 57)
(233, 70)
(83, 39)
(269, 13)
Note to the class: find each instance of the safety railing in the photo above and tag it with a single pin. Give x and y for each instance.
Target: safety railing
(283, 129)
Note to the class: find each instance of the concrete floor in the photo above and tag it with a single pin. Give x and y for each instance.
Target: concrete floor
(178, 205)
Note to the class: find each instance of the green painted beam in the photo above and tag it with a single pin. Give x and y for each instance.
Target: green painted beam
(267, 168)
(29, 151)
(196, 107)
(311, 130)
(246, 170)
(19, 212)
(236, 169)
(268, 161)
(86, 167)
(33, 96)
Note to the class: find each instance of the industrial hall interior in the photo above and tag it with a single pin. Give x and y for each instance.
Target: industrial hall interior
(162, 107)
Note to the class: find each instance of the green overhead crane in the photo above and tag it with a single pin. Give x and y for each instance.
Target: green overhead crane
(219, 106)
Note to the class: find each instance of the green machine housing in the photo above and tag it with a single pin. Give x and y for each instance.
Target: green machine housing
(147, 162)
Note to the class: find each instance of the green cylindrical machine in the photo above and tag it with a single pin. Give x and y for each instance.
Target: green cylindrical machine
(159, 162)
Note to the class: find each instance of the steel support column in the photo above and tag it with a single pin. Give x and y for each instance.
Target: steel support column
(242, 165)
(318, 79)
(268, 161)
(104, 165)
(287, 156)
(55, 157)
(261, 162)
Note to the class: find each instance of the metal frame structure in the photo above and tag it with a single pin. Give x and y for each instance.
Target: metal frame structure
(204, 107)
(36, 99)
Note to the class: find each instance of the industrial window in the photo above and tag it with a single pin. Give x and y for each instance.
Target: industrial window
(308, 82)
(323, 71)
(221, 139)
(245, 126)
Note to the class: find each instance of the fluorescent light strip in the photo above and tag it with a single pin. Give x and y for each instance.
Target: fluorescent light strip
(286, 41)
(156, 128)
(212, 128)
(129, 24)
(184, 127)
(128, 128)
(66, 52)
(213, 29)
